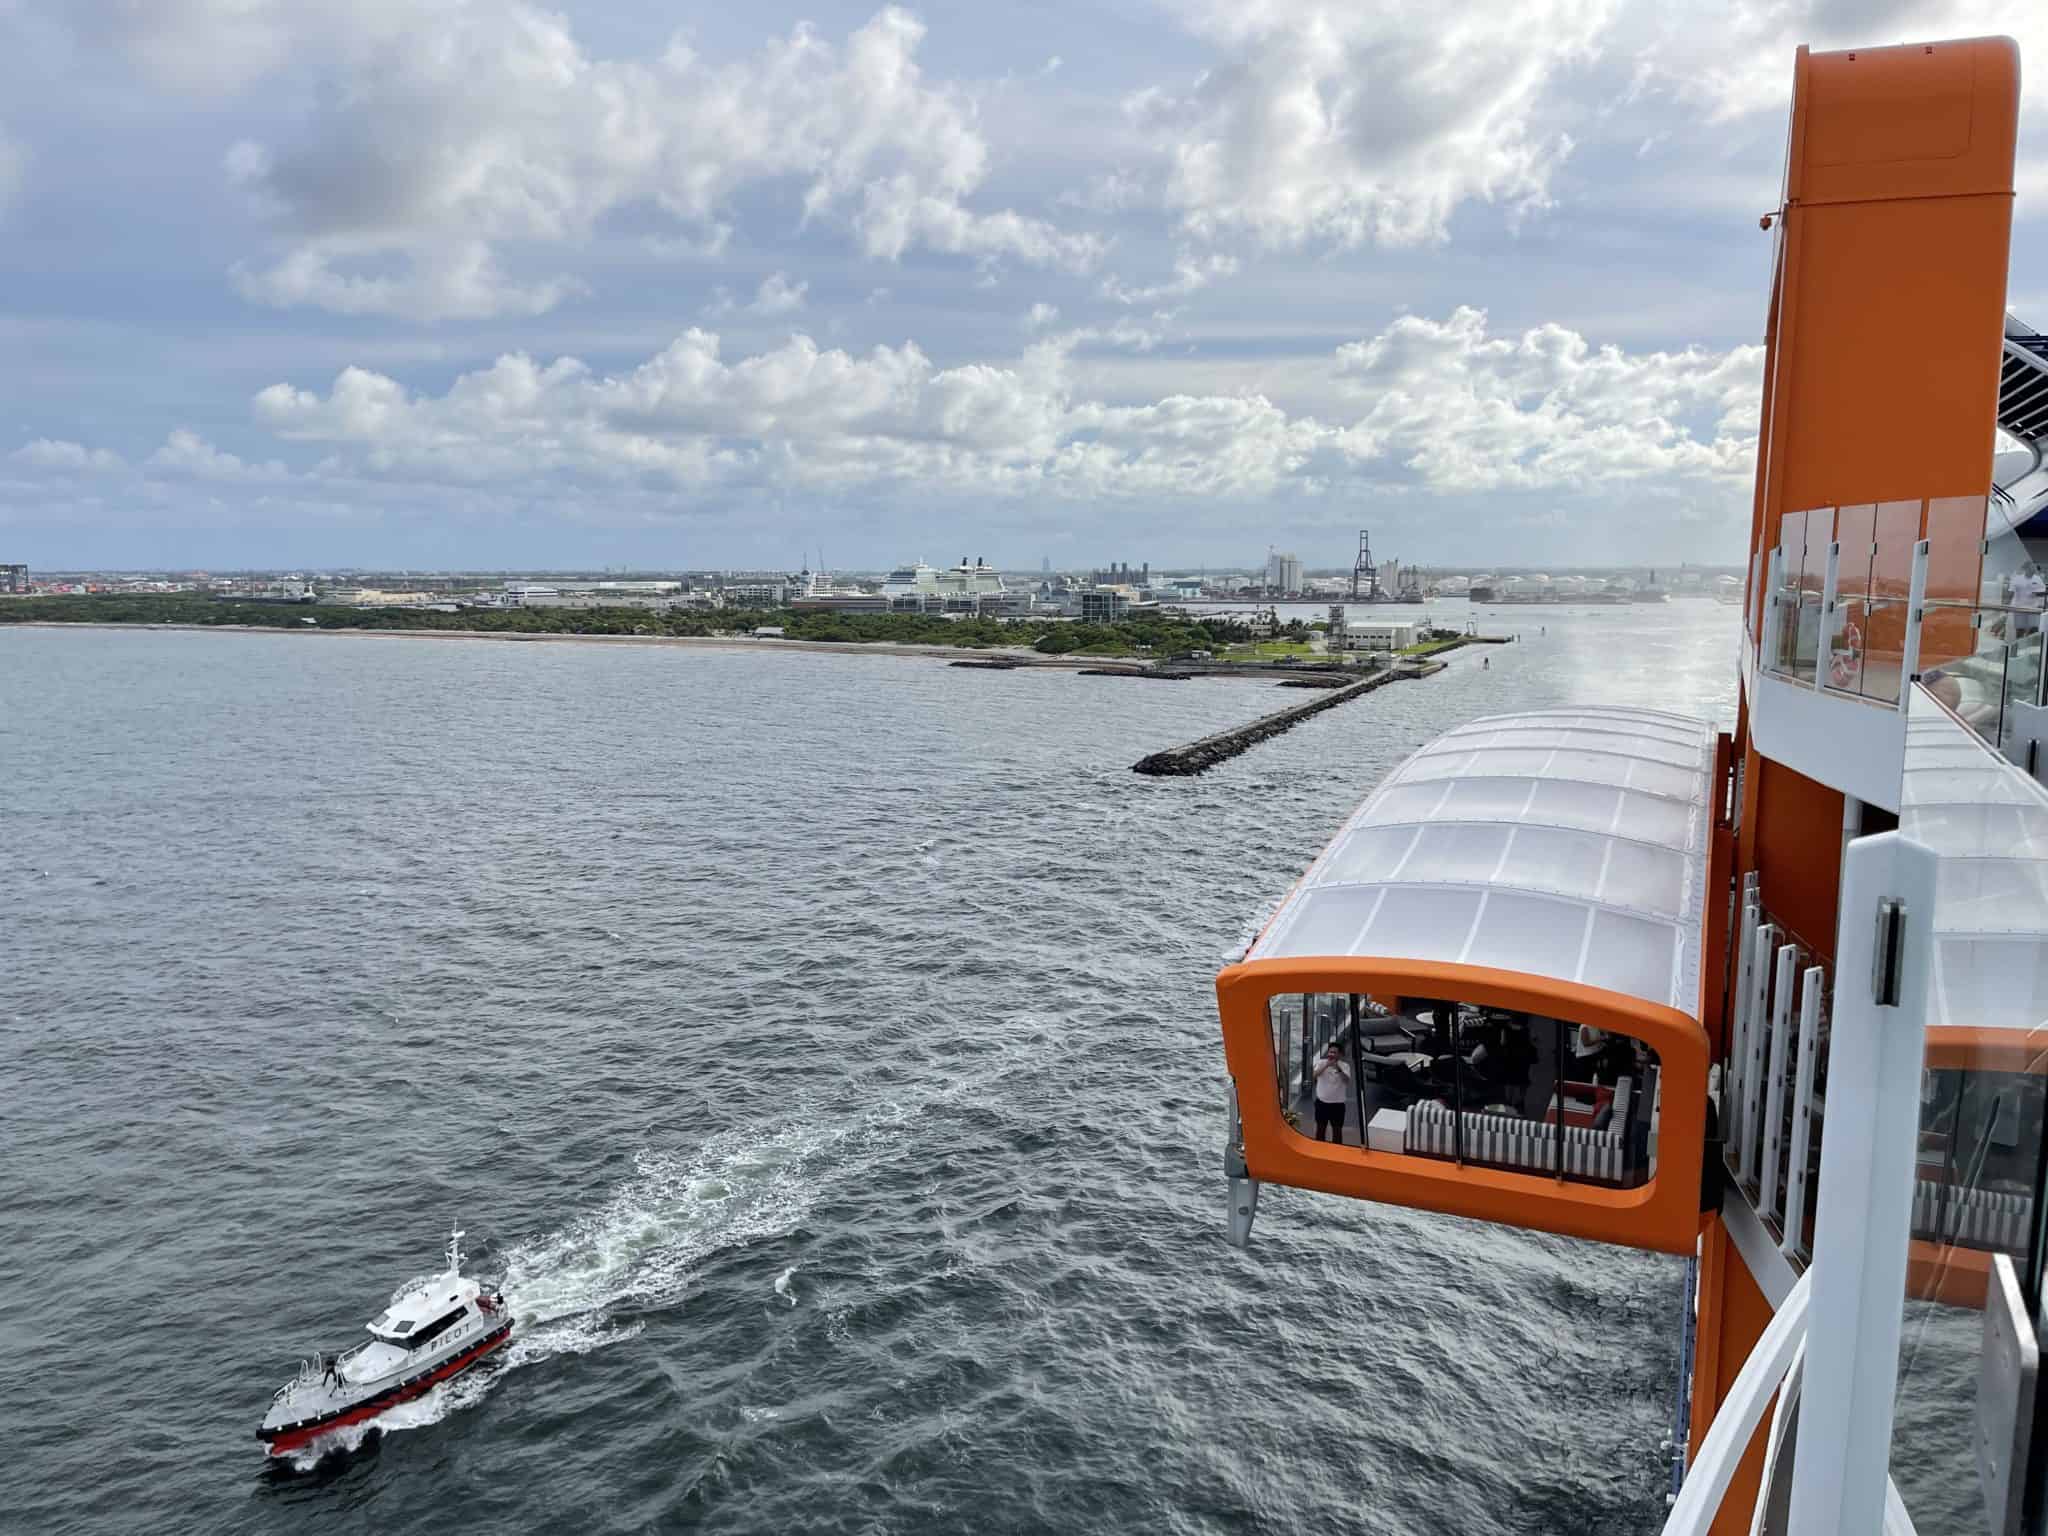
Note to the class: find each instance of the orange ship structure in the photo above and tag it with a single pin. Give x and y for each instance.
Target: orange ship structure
(1773, 1000)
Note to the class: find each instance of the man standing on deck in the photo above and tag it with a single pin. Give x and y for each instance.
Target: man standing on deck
(1333, 1092)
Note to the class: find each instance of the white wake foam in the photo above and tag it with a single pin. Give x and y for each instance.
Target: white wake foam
(660, 1224)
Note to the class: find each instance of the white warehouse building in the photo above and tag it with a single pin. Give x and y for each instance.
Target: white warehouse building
(1373, 635)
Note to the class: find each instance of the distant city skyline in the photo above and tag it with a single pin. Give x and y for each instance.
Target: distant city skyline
(1167, 569)
(609, 282)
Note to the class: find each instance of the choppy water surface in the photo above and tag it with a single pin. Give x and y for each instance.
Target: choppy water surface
(821, 1046)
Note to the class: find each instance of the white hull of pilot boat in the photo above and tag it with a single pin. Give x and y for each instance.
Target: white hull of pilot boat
(434, 1330)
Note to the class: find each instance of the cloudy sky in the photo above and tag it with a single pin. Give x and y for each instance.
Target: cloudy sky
(487, 283)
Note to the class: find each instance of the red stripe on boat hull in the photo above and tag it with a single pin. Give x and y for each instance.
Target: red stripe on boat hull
(292, 1439)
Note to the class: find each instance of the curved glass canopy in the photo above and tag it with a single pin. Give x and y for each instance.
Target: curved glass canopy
(1570, 844)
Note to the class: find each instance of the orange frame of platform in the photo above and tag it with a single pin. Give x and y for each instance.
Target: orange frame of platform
(1662, 1214)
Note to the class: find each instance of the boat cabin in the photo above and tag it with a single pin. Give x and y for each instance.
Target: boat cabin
(1484, 997)
(422, 1315)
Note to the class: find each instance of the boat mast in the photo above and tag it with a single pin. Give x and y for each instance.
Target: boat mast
(454, 1252)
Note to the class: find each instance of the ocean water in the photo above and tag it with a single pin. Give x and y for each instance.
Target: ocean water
(822, 1048)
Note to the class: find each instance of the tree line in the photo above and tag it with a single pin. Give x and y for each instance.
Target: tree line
(1154, 635)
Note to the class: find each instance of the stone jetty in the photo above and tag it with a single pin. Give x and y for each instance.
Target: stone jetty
(1198, 756)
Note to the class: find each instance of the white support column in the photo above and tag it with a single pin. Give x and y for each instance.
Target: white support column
(1753, 1049)
(1866, 1186)
(1802, 1112)
(1774, 1095)
(1738, 1029)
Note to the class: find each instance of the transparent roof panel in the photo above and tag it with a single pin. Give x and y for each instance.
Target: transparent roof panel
(1987, 823)
(1563, 843)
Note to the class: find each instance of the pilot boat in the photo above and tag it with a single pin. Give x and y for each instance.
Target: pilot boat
(434, 1329)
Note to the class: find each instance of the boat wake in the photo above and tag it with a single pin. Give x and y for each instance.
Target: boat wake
(642, 1246)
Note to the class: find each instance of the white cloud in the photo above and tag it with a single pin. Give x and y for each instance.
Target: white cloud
(1736, 59)
(208, 45)
(1040, 315)
(1190, 272)
(1360, 124)
(1435, 406)
(63, 455)
(439, 135)
(451, 280)
(777, 295)
(185, 452)
(1468, 411)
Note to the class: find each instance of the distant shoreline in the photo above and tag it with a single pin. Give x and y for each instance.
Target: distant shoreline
(1022, 656)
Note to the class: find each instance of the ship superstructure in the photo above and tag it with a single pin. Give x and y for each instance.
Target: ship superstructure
(1774, 1000)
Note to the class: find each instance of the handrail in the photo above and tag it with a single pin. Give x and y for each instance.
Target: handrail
(1735, 1422)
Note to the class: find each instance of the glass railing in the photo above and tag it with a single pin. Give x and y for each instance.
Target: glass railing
(1982, 686)
(1842, 612)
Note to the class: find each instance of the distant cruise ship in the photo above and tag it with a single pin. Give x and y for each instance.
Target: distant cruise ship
(963, 580)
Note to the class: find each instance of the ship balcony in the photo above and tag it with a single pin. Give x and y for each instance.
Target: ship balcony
(1854, 603)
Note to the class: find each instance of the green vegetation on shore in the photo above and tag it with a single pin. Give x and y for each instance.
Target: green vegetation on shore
(1051, 637)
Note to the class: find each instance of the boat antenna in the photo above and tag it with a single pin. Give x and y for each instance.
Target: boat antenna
(454, 1251)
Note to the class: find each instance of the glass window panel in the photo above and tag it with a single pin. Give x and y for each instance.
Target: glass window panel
(1633, 955)
(1988, 895)
(1656, 779)
(1992, 983)
(1651, 878)
(1421, 923)
(1955, 537)
(1436, 765)
(1960, 830)
(1792, 553)
(1369, 853)
(1847, 626)
(1561, 803)
(1481, 799)
(1501, 760)
(1405, 802)
(1547, 858)
(1813, 569)
(1856, 532)
(1655, 821)
(1531, 737)
(1469, 853)
(1594, 767)
(1530, 933)
(1326, 920)
(1792, 546)
(1895, 529)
